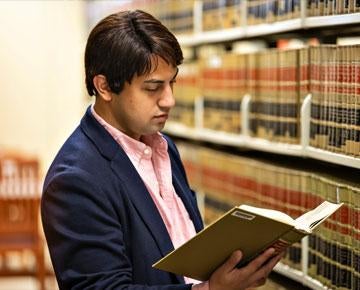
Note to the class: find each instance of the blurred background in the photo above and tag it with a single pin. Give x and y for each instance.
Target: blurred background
(42, 78)
(42, 100)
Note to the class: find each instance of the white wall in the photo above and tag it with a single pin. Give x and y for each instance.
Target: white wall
(42, 91)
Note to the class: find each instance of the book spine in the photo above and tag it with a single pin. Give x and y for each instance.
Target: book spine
(211, 88)
(315, 100)
(346, 107)
(231, 14)
(356, 239)
(355, 128)
(253, 89)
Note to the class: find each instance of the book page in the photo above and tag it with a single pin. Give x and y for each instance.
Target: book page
(315, 217)
(269, 213)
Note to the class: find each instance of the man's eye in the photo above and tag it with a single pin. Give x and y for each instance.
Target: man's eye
(152, 89)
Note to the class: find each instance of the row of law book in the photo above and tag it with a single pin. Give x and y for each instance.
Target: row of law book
(278, 82)
(223, 75)
(335, 110)
(332, 7)
(276, 100)
(178, 16)
(293, 188)
(269, 11)
(186, 92)
(221, 14)
(222, 80)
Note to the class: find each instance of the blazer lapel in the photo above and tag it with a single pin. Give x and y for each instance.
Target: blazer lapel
(142, 201)
(190, 206)
(125, 170)
(144, 204)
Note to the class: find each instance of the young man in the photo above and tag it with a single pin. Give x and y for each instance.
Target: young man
(116, 198)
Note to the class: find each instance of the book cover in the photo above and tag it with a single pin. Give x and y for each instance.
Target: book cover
(247, 228)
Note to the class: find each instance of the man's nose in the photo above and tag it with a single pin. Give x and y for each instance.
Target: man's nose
(167, 99)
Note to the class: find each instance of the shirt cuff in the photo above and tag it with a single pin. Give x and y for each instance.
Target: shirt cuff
(201, 286)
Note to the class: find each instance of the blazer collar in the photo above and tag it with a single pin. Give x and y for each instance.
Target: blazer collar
(104, 142)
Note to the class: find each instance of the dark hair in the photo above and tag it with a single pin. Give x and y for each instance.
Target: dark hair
(124, 44)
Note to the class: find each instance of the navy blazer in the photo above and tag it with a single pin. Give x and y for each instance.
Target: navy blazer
(101, 224)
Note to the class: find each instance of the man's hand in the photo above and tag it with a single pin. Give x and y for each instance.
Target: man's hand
(254, 274)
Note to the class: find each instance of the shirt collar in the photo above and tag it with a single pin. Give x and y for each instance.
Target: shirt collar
(135, 149)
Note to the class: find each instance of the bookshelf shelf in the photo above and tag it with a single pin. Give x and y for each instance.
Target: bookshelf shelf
(248, 31)
(212, 36)
(273, 28)
(332, 157)
(181, 130)
(213, 136)
(323, 21)
(223, 138)
(274, 147)
(189, 39)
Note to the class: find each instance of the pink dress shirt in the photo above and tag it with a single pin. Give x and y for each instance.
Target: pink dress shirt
(151, 160)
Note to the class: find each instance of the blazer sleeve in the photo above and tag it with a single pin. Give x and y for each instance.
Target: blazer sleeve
(85, 237)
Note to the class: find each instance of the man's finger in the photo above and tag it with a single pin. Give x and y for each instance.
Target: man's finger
(255, 264)
(272, 262)
(264, 271)
(231, 262)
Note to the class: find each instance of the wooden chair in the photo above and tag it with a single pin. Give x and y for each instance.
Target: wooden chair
(19, 215)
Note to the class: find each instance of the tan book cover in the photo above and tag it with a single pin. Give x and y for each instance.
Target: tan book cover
(250, 229)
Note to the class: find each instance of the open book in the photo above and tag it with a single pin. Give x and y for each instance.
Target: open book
(250, 229)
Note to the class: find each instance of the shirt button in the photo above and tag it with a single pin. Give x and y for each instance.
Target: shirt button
(147, 151)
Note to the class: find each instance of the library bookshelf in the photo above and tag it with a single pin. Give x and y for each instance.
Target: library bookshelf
(244, 139)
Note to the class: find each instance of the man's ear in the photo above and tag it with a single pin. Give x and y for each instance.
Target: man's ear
(102, 87)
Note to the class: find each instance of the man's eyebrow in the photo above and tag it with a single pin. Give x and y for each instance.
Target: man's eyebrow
(155, 81)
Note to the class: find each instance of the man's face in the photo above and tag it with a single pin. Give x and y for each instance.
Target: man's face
(143, 106)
